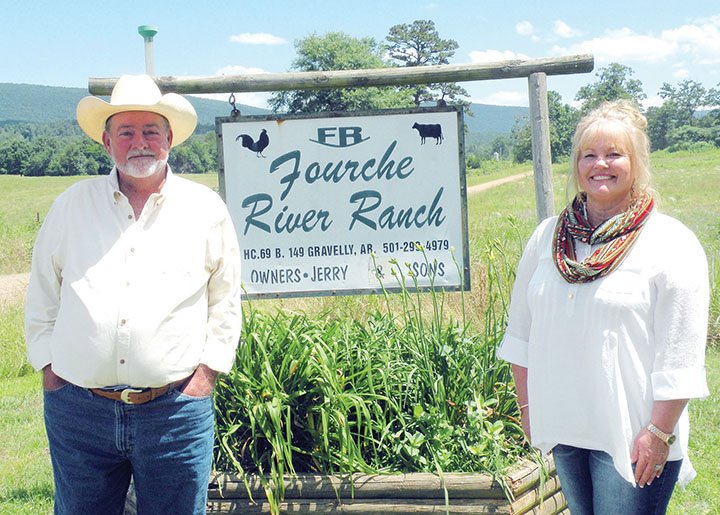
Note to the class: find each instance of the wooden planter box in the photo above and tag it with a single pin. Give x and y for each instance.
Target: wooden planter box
(397, 494)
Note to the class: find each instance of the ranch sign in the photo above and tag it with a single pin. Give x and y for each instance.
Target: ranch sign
(347, 203)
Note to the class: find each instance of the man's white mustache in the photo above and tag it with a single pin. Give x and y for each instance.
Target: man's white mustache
(139, 154)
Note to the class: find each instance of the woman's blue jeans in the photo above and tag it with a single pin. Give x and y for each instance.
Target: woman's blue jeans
(592, 486)
(96, 444)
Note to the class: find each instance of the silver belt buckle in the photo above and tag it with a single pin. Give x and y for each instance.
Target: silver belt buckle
(125, 395)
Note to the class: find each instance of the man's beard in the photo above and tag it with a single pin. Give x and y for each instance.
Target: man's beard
(143, 167)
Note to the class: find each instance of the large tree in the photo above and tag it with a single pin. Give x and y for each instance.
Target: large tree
(713, 99)
(15, 153)
(337, 51)
(521, 138)
(615, 82)
(197, 155)
(676, 123)
(419, 44)
(72, 160)
(660, 123)
(563, 119)
(685, 100)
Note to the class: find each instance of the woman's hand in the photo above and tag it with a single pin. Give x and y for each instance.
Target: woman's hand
(649, 455)
(520, 376)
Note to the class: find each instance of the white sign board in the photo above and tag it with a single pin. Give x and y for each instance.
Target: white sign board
(347, 204)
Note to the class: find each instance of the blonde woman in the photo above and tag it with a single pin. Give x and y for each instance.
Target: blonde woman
(607, 328)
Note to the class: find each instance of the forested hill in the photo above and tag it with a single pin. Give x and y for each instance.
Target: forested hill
(22, 103)
(491, 119)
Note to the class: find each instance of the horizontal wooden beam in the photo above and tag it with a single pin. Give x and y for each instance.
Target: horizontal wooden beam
(551, 502)
(365, 486)
(524, 476)
(360, 507)
(517, 68)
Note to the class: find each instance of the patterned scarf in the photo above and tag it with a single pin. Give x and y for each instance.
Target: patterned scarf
(616, 236)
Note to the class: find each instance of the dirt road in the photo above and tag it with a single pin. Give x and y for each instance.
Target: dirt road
(488, 185)
(12, 288)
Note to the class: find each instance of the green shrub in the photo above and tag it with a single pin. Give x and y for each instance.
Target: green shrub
(691, 146)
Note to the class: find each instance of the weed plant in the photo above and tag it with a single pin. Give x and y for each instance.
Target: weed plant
(12, 342)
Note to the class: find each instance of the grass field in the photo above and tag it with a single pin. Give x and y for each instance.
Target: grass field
(499, 221)
(24, 203)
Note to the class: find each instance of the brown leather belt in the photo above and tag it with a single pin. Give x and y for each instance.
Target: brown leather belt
(136, 395)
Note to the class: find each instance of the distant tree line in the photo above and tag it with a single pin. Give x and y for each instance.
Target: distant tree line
(689, 118)
(57, 149)
(45, 149)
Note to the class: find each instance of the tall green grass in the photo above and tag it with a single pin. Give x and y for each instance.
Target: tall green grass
(12, 342)
(398, 390)
(26, 485)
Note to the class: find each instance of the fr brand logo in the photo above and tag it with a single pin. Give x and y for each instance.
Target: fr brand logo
(339, 137)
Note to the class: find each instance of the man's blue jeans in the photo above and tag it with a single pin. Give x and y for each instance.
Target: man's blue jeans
(592, 486)
(96, 444)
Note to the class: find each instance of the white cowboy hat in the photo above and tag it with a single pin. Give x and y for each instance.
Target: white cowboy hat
(137, 93)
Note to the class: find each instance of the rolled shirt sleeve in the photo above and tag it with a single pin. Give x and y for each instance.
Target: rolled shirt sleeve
(514, 346)
(680, 320)
(42, 300)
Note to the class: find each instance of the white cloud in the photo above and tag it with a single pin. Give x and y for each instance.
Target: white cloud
(701, 40)
(698, 41)
(681, 73)
(654, 101)
(248, 99)
(257, 38)
(239, 70)
(623, 45)
(255, 99)
(524, 28)
(492, 56)
(504, 98)
(563, 30)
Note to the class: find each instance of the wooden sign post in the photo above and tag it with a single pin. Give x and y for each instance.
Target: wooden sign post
(536, 70)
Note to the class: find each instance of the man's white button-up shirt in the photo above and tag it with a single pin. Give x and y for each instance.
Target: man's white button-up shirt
(118, 301)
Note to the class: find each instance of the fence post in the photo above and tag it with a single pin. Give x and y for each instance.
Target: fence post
(542, 162)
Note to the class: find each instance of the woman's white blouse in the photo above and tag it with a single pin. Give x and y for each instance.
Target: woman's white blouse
(599, 354)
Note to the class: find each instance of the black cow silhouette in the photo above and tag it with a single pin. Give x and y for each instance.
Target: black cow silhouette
(432, 130)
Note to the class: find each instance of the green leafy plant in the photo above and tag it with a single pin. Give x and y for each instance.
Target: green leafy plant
(398, 391)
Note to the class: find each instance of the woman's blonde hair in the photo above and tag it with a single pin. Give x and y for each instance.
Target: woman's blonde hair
(624, 122)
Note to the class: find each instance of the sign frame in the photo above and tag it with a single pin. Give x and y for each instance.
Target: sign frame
(460, 256)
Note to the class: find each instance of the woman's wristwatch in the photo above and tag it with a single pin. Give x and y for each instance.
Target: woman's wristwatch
(669, 439)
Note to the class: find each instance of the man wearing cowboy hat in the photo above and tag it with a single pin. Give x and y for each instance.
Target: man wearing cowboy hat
(132, 310)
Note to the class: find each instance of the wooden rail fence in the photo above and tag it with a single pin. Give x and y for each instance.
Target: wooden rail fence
(414, 493)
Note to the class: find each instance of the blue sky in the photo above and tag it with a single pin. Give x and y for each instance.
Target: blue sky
(64, 43)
